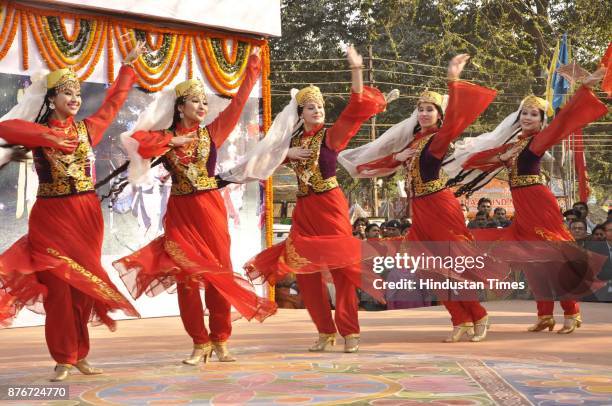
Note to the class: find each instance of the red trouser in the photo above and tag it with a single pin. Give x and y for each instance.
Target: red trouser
(546, 307)
(67, 314)
(192, 313)
(316, 299)
(463, 311)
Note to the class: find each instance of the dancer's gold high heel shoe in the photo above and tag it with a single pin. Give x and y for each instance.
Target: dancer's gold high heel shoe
(222, 352)
(459, 331)
(86, 369)
(480, 329)
(322, 343)
(62, 372)
(570, 324)
(351, 343)
(201, 352)
(544, 322)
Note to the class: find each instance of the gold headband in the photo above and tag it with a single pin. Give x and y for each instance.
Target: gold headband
(63, 79)
(309, 94)
(430, 97)
(191, 87)
(534, 101)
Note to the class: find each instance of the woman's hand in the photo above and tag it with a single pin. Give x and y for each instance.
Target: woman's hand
(180, 141)
(134, 53)
(595, 77)
(354, 59)
(405, 155)
(60, 141)
(456, 65)
(510, 153)
(297, 153)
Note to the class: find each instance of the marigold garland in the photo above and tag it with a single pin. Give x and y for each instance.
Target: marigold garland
(12, 18)
(25, 61)
(224, 66)
(267, 122)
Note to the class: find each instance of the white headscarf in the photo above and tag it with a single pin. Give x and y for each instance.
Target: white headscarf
(506, 132)
(27, 108)
(395, 139)
(158, 116)
(270, 152)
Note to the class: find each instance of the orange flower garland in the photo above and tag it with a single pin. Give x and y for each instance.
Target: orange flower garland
(100, 33)
(10, 16)
(25, 62)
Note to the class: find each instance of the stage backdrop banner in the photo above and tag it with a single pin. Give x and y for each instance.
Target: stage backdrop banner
(257, 17)
(33, 39)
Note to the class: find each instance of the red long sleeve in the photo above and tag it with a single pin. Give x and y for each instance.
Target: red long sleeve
(583, 108)
(152, 143)
(387, 162)
(484, 161)
(361, 107)
(116, 95)
(223, 125)
(28, 134)
(466, 102)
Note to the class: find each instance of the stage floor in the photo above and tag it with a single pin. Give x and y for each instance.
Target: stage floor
(402, 361)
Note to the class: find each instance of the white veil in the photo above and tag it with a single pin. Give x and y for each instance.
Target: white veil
(270, 152)
(506, 132)
(391, 141)
(27, 108)
(158, 116)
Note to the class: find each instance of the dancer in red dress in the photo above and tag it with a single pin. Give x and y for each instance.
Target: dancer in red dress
(194, 252)
(437, 215)
(321, 233)
(58, 261)
(537, 213)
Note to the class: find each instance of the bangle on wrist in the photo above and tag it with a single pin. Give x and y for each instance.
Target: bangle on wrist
(356, 66)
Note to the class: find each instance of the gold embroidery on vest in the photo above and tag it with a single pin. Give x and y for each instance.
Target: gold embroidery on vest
(517, 180)
(420, 188)
(69, 170)
(189, 170)
(308, 172)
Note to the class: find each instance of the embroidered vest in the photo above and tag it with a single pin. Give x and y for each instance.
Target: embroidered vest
(317, 173)
(190, 165)
(525, 168)
(425, 170)
(64, 174)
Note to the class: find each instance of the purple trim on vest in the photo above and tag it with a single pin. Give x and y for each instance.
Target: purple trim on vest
(328, 159)
(212, 159)
(429, 165)
(42, 166)
(528, 163)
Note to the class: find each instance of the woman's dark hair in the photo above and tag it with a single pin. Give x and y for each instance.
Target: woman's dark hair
(177, 114)
(45, 111)
(417, 127)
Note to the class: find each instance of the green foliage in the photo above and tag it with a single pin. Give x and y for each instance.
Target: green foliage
(511, 43)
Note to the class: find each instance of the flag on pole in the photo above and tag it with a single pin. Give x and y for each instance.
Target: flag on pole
(557, 87)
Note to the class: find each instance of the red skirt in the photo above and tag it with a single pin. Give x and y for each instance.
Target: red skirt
(543, 246)
(439, 228)
(195, 247)
(321, 239)
(65, 238)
